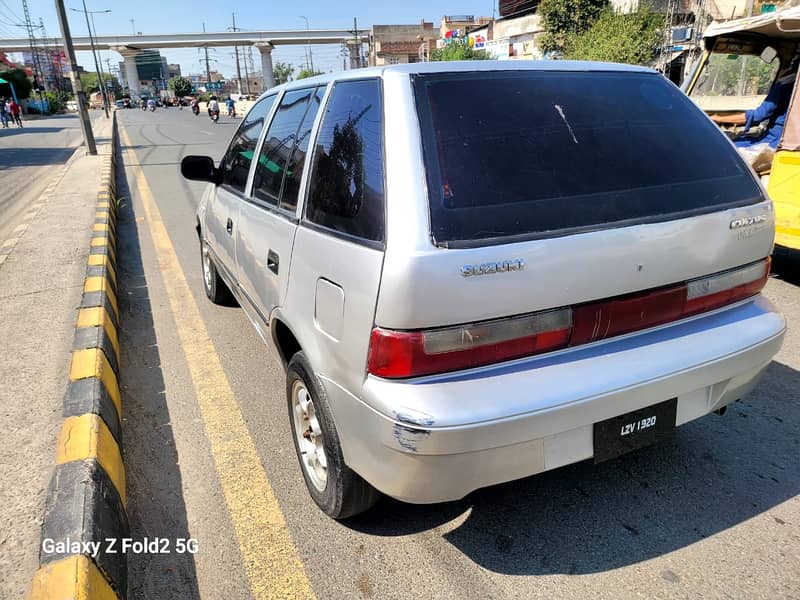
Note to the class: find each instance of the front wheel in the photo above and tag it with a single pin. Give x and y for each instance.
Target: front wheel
(338, 490)
(216, 289)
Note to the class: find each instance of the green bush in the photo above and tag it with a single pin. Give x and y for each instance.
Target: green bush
(622, 38)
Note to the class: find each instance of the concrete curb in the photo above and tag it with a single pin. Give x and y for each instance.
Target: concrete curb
(85, 503)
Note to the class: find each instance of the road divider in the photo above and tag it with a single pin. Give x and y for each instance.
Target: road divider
(85, 503)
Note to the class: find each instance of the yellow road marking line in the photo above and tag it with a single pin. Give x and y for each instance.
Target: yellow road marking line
(87, 436)
(71, 578)
(265, 542)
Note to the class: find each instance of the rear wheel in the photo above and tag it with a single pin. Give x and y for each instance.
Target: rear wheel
(338, 490)
(216, 289)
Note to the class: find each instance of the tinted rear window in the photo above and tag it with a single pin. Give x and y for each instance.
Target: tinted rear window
(535, 154)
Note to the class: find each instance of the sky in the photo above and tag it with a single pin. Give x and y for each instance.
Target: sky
(171, 16)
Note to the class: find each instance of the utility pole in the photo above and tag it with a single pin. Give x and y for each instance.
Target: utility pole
(236, 49)
(208, 69)
(133, 26)
(96, 64)
(357, 44)
(86, 125)
(246, 74)
(38, 74)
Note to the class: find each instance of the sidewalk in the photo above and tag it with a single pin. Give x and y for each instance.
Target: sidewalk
(41, 280)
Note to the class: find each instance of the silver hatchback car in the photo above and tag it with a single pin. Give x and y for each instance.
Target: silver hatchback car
(475, 272)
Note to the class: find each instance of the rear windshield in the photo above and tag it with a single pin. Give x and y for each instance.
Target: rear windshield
(535, 154)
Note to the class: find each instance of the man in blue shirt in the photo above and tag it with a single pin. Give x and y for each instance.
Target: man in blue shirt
(773, 110)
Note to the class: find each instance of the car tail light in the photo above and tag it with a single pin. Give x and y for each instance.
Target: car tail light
(399, 354)
(396, 354)
(713, 292)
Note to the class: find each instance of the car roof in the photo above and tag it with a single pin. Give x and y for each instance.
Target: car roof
(462, 67)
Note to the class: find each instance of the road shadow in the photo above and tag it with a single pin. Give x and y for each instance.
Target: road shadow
(151, 459)
(786, 265)
(28, 157)
(29, 129)
(713, 474)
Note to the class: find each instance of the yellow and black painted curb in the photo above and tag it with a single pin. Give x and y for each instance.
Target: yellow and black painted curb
(85, 504)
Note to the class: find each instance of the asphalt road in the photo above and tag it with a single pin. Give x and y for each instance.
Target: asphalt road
(27, 158)
(713, 512)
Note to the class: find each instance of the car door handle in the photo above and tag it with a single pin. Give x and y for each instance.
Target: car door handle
(272, 261)
(229, 226)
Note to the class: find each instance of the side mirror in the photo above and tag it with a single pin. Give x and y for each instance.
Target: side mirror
(200, 168)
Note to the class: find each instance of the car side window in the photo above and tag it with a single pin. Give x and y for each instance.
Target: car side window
(278, 145)
(236, 163)
(346, 192)
(294, 168)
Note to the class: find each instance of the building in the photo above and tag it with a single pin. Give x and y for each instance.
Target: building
(515, 37)
(401, 44)
(152, 70)
(174, 70)
(457, 26)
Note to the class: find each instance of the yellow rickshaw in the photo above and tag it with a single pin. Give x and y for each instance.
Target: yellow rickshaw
(743, 63)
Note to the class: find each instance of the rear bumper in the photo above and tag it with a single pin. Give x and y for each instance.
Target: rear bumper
(438, 438)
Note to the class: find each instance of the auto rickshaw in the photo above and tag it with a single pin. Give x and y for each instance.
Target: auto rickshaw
(742, 62)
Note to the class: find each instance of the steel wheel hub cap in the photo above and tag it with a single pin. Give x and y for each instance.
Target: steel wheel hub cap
(206, 268)
(309, 436)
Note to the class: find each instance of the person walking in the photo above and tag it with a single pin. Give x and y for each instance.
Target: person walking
(16, 112)
(4, 116)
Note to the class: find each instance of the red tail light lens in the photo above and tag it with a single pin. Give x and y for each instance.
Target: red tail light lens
(399, 354)
(713, 292)
(395, 354)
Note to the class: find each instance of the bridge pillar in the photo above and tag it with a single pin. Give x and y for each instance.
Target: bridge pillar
(131, 72)
(266, 64)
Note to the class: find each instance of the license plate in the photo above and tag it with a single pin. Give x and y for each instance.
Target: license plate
(619, 435)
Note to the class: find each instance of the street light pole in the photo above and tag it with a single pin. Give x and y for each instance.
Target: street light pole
(310, 59)
(96, 64)
(86, 125)
(102, 73)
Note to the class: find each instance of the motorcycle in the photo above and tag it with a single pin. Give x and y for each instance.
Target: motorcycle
(153, 108)
(195, 109)
(214, 115)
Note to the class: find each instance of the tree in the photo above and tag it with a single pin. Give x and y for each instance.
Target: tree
(564, 19)
(304, 73)
(22, 85)
(91, 83)
(180, 85)
(459, 50)
(282, 72)
(632, 38)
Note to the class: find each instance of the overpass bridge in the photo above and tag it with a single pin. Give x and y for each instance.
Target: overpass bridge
(264, 40)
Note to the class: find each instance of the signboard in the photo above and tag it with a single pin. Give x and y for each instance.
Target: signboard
(214, 85)
(477, 40)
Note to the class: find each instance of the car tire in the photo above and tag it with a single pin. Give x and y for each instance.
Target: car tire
(216, 289)
(338, 490)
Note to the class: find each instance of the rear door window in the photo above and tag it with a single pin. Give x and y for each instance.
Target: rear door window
(278, 145)
(529, 154)
(237, 160)
(294, 168)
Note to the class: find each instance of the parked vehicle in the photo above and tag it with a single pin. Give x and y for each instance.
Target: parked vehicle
(473, 273)
(745, 60)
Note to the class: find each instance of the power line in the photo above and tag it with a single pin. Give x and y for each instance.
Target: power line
(13, 14)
